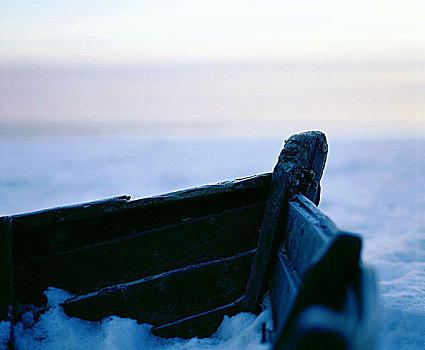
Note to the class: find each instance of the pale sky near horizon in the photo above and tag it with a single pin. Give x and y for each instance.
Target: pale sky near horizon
(324, 61)
(169, 30)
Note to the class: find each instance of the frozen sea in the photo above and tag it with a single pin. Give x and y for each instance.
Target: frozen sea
(372, 187)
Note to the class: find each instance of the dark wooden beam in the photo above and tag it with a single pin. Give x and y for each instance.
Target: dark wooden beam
(201, 325)
(284, 289)
(308, 233)
(148, 253)
(298, 170)
(168, 297)
(7, 298)
(325, 292)
(110, 205)
(64, 229)
(70, 212)
(6, 280)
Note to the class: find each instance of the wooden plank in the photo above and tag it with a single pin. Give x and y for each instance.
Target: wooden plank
(326, 260)
(351, 325)
(318, 161)
(326, 283)
(7, 302)
(6, 286)
(319, 327)
(49, 232)
(296, 159)
(148, 253)
(70, 212)
(202, 325)
(168, 297)
(308, 233)
(284, 289)
(110, 205)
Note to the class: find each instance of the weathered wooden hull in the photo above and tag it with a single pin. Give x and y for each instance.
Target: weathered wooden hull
(183, 260)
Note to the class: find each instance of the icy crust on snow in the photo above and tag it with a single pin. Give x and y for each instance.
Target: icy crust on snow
(55, 330)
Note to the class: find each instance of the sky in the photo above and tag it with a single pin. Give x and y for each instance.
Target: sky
(327, 62)
(134, 31)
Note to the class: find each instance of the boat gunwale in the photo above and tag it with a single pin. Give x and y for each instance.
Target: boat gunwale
(75, 212)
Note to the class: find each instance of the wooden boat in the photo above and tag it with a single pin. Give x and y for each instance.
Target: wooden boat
(183, 260)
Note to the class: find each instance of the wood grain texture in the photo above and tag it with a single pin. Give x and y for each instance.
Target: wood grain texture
(62, 229)
(201, 325)
(326, 261)
(297, 157)
(148, 253)
(308, 233)
(169, 297)
(283, 290)
(110, 205)
(326, 304)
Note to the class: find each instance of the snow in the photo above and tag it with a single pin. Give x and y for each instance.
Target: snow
(55, 330)
(372, 187)
(377, 188)
(4, 333)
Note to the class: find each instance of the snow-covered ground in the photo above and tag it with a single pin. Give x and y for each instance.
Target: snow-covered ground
(55, 331)
(372, 187)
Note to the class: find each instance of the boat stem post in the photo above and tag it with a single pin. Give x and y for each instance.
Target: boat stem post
(298, 170)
